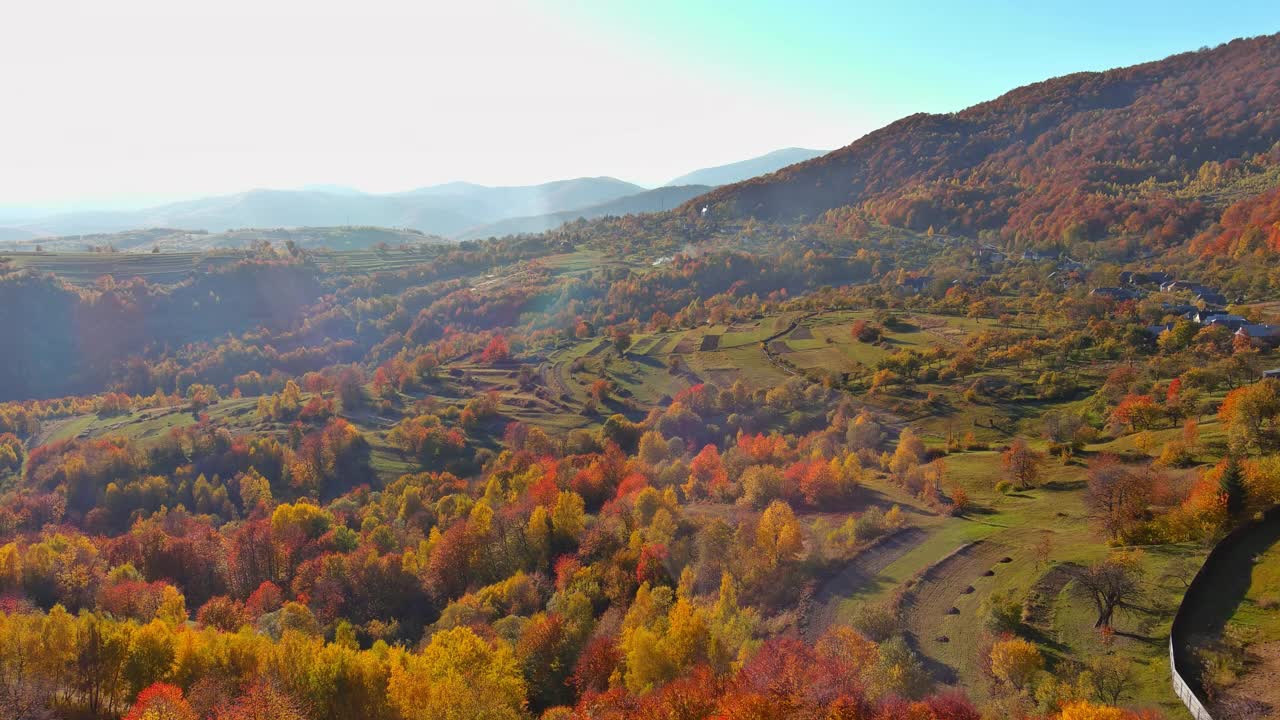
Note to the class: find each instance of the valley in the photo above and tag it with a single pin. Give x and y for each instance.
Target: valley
(940, 425)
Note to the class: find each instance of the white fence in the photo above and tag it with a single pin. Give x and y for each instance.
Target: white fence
(1184, 691)
(1183, 688)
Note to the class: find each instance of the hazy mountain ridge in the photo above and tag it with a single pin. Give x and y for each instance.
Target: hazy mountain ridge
(656, 200)
(661, 199)
(178, 240)
(444, 211)
(454, 209)
(745, 169)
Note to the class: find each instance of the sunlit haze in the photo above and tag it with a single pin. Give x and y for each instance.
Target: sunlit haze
(137, 101)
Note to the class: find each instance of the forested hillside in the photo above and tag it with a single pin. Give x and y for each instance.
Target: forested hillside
(1144, 151)
(936, 427)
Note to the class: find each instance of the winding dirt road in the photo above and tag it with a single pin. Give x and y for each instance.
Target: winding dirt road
(860, 572)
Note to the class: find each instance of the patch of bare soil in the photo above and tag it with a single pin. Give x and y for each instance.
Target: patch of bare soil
(1046, 591)
(1257, 695)
(685, 346)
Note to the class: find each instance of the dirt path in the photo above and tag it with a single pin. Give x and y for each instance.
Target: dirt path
(48, 428)
(942, 613)
(1257, 695)
(858, 573)
(774, 358)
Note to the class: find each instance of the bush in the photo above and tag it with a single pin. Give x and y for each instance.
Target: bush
(1175, 454)
(1004, 487)
(869, 525)
(877, 622)
(1001, 613)
(873, 523)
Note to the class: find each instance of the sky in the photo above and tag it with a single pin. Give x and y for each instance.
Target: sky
(134, 102)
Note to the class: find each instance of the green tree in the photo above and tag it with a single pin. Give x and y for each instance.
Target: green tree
(1231, 486)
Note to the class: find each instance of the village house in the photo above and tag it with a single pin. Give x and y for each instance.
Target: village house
(916, 285)
(1115, 293)
(1210, 297)
(1157, 278)
(1234, 322)
(1261, 335)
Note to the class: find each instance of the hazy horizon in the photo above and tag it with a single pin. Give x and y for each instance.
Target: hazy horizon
(398, 95)
(23, 212)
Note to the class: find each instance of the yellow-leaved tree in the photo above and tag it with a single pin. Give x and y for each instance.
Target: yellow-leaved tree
(778, 536)
(459, 676)
(1016, 661)
(1084, 710)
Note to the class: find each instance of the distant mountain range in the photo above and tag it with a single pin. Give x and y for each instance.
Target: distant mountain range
(457, 210)
(441, 210)
(739, 171)
(346, 237)
(656, 200)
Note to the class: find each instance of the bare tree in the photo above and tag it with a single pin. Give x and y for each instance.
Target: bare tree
(1022, 464)
(1111, 677)
(1111, 584)
(1120, 495)
(1044, 549)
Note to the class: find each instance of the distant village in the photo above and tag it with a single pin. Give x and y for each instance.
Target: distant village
(1204, 305)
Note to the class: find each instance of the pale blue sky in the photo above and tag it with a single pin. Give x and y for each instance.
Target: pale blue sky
(136, 101)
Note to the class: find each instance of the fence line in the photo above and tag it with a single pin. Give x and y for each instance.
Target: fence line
(1185, 690)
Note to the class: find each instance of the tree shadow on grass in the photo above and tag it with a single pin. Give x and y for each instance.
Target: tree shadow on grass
(646, 360)
(1038, 636)
(1146, 639)
(985, 522)
(938, 670)
(1222, 589)
(1064, 485)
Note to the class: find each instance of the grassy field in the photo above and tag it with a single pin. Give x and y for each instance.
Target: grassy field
(831, 331)
(1236, 615)
(86, 268)
(1024, 544)
(1259, 611)
(170, 267)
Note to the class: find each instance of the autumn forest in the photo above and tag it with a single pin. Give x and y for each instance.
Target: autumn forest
(937, 426)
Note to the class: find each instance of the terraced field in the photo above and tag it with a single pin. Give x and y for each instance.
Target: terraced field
(86, 268)
(1026, 544)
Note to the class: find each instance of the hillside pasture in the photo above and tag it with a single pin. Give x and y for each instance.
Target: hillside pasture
(86, 268)
(1025, 544)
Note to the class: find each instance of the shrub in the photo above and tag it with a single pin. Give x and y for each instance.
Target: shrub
(877, 622)
(869, 525)
(1001, 613)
